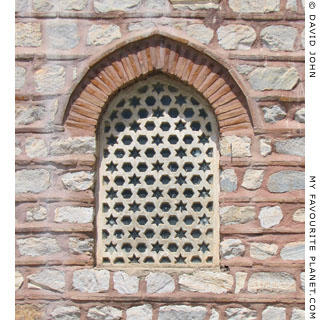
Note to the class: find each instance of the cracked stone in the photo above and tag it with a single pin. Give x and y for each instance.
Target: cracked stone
(125, 283)
(278, 38)
(48, 279)
(159, 283)
(261, 251)
(274, 113)
(91, 280)
(36, 214)
(234, 215)
(104, 313)
(99, 35)
(78, 181)
(252, 179)
(270, 216)
(231, 248)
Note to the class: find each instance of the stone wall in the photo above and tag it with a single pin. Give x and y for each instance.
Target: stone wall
(260, 46)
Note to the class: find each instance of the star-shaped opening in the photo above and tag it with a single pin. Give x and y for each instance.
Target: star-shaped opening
(112, 167)
(157, 139)
(180, 259)
(181, 152)
(204, 166)
(204, 192)
(180, 100)
(111, 247)
(181, 180)
(202, 113)
(158, 87)
(204, 247)
(134, 153)
(134, 259)
(134, 234)
(181, 206)
(134, 180)
(134, 101)
(111, 194)
(157, 166)
(204, 220)
(134, 126)
(203, 139)
(180, 125)
(157, 220)
(157, 247)
(112, 140)
(157, 193)
(111, 220)
(158, 112)
(134, 207)
(180, 233)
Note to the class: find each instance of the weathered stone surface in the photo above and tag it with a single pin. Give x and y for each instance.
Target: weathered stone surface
(199, 32)
(231, 248)
(20, 77)
(91, 280)
(74, 214)
(278, 38)
(273, 78)
(29, 312)
(302, 280)
(49, 79)
(274, 113)
(244, 69)
(236, 37)
(261, 251)
(141, 312)
(206, 281)
(156, 5)
(240, 281)
(38, 213)
(159, 283)
(286, 181)
(17, 150)
(37, 246)
(80, 246)
(48, 279)
(78, 181)
(293, 251)
(252, 179)
(73, 4)
(265, 146)
(36, 148)
(18, 280)
(271, 282)
(196, 6)
(62, 36)
(292, 5)
(240, 314)
(235, 146)
(300, 115)
(295, 146)
(303, 39)
(113, 5)
(104, 313)
(274, 313)
(28, 34)
(228, 180)
(254, 6)
(181, 312)
(124, 283)
(270, 216)
(42, 5)
(137, 26)
(233, 214)
(297, 314)
(35, 181)
(299, 215)
(303, 4)
(66, 313)
(81, 145)
(25, 115)
(21, 5)
(102, 34)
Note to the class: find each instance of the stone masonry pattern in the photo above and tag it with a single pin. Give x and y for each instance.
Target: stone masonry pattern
(244, 62)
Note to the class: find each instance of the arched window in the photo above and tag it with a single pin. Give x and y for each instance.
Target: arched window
(158, 178)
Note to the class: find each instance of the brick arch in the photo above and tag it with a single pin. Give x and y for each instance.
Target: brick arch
(157, 54)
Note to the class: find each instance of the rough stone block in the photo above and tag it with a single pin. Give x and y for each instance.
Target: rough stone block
(91, 280)
(300, 115)
(81, 246)
(262, 251)
(270, 216)
(303, 39)
(278, 38)
(234, 146)
(125, 283)
(293, 251)
(104, 313)
(21, 5)
(236, 37)
(36, 148)
(199, 32)
(115, 5)
(28, 34)
(181, 312)
(99, 35)
(37, 213)
(214, 315)
(231, 248)
(294, 147)
(17, 149)
(35, 181)
(157, 5)
(76, 5)
(228, 180)
(254, 6)
(20, 77)
(29, 312)
(240, 314)
(140, 312)
(25, 115)
(42, 5)
(159, 283)
(78, 181)
(252, 179)
(244, 69)
(234, 215)
(286, 181)
(36, 247)
(49, 79)
(61, 35)
(274, 113)
(47, 279)
(74, 214)
(66, 313)
(297, 314)
(196, 6)
(299, 215)
(240, 281)
(274, 313)
(18, 280)
(273, 78)
(206, 281)
(271, 282)
(137, 26)
(76, 145)
(292, 5)
(302, 280)
(265, 146)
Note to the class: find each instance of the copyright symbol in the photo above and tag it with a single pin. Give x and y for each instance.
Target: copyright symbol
(312, 5)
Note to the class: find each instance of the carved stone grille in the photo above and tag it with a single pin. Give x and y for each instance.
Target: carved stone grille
(158, 178)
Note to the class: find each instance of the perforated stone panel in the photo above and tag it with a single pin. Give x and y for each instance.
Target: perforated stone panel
(158, 178)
